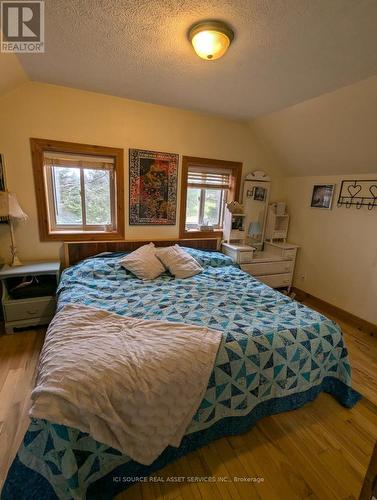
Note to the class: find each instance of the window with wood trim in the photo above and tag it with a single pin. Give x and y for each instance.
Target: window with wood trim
(207, 185)
(79, 190)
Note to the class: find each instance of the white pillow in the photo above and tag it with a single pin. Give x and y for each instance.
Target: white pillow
(178, 262)
(143, 263)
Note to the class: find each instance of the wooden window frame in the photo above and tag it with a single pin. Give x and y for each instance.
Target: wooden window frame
(38, 148)
(233, 194)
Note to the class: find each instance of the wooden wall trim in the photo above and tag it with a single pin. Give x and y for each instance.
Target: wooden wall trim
(326, 307)
(38, 147)
(369, 489)
(75, 251)
(234, 191)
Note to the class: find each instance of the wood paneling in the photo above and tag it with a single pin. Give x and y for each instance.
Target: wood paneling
(38, 147)
(319, 452)
(234, 191)
(74, 252)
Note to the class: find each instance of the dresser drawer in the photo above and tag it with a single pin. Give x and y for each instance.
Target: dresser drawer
(261, 268)
(289, 254)
(245, 257)
(276, 280)
(28, 309)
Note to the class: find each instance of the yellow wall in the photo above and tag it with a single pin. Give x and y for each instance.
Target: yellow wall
(11, 73)
(52, 112)
(335, 133)
(337, 260)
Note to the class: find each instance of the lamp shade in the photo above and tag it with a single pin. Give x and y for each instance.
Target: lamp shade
(211, 39)
(9, 206)
(254, 229)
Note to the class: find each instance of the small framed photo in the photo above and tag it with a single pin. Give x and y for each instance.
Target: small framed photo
(322, 196)
(259, 193)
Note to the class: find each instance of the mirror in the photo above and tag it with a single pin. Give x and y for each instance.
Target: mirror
(255, 200)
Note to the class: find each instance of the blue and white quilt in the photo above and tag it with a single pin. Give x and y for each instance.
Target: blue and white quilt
(275, 355)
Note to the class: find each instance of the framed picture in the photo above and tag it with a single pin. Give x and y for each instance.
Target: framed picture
(259, 193)
(153, 187)
(322, 196)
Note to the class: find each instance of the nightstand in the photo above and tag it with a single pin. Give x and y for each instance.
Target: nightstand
(29, 294)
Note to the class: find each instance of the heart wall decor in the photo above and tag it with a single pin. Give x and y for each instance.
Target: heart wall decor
(358, 193)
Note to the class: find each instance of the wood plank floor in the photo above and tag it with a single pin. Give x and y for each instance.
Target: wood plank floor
(320, 451)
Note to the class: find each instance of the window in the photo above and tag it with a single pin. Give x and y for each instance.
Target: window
(79, 190)
(207, 193)
(207, 186)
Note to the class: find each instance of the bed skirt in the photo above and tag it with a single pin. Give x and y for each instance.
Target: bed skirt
(25, 483)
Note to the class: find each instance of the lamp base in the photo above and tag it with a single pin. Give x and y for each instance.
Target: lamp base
(16, 261)
(13, 250)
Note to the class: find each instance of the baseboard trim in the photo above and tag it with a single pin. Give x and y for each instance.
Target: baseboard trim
(355, 321)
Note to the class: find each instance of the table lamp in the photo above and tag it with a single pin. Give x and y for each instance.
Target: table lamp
(10, 208)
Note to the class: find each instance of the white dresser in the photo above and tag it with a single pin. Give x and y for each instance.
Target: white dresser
(239, 253)
(274, 266)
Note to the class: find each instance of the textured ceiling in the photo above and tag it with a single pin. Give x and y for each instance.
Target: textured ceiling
(285, 51)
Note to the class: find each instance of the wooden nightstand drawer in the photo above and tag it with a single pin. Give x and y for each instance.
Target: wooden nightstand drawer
(276, 280)
(17, 310)
(29, 294)
(261, 268)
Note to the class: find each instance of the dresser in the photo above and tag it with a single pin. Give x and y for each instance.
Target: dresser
(28, 297)
(238, 252)
(274, 266)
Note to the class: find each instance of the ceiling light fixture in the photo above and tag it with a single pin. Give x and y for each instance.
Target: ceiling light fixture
(211, 39)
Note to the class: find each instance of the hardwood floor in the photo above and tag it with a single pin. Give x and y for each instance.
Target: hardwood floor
(19, 355)
(320, 451)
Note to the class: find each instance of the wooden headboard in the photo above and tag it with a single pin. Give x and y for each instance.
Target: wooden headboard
(76, 251)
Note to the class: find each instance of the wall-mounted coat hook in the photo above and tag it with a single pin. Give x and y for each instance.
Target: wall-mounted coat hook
(372, 204)
(360, 193)
(359, 203)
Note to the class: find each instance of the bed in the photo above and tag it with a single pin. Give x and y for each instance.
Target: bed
(275, 355)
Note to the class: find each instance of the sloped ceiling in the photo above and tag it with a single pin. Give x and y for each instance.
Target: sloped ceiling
(11, 73)
(335, 133)
(284, 52)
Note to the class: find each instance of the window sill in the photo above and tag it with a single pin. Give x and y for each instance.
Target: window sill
(82, 236)
(216, 233)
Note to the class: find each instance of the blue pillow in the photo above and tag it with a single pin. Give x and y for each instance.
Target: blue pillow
(209, 258)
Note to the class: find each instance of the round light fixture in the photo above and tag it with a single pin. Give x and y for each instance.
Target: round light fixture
(211, 39)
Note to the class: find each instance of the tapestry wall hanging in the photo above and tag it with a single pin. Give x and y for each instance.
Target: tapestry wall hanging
(153, 187)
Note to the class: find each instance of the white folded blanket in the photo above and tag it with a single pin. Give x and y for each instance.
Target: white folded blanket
(130, 383)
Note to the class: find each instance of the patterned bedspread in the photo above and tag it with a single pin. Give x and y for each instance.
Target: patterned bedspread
(275, 355)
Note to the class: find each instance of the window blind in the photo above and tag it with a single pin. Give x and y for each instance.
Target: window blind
(53, 159)
(208, 178)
